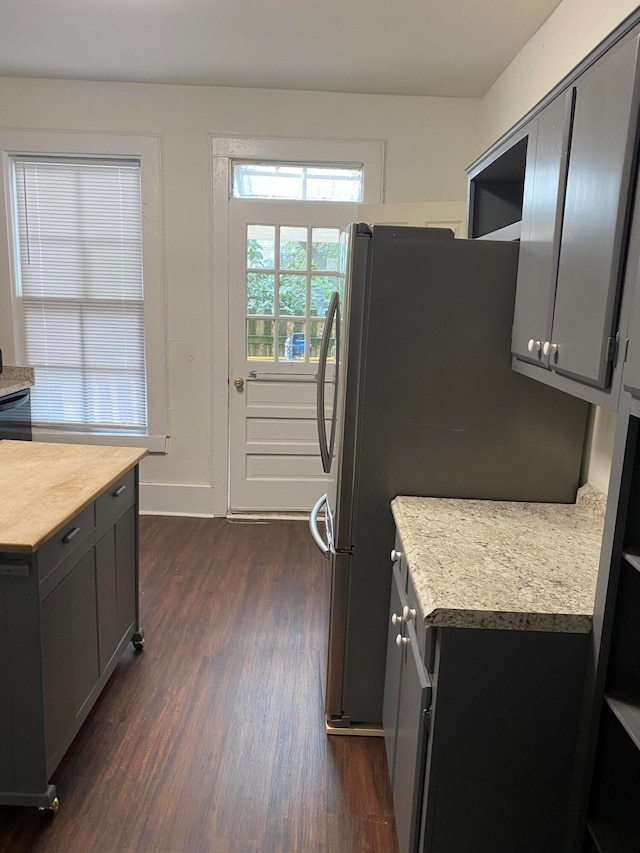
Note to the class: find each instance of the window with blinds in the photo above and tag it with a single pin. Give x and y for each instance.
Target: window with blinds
(79, 289)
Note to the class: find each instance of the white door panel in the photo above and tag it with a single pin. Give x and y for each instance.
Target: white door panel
(274, 461)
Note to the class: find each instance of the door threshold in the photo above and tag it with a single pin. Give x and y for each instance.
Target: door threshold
(267, 516)
(358, 729)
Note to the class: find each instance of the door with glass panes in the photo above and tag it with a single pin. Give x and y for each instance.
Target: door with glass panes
(283, 268)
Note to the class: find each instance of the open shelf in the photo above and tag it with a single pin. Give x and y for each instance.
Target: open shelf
(623, 672)
(627, 711)
(497, 192)
(632, 556)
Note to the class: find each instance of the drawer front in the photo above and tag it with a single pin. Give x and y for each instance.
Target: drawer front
(66, 541)
(115, 501)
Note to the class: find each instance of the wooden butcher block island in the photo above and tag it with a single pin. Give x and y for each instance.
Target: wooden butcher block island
(68, 599)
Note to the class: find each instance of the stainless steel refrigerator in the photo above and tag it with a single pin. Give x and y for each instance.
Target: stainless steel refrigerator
(416, 396)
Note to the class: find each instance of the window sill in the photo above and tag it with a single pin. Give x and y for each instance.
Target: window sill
(153, 443)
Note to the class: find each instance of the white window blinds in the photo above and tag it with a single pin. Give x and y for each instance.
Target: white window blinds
(80, 291)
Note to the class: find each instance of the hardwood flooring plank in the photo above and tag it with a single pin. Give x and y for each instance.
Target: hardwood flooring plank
(212, 739)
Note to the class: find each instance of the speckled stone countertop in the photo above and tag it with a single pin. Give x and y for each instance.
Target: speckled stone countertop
(498, 564)
(14, 379)
(44, 485)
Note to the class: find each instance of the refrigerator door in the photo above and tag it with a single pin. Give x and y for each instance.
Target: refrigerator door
(337, 605)
(340, 492)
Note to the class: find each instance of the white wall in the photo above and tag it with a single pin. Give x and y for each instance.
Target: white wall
(566, 37)
(429, 141)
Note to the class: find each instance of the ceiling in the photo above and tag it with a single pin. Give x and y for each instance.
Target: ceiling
(398, 47)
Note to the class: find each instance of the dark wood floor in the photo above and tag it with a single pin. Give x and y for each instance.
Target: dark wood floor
(211, 740)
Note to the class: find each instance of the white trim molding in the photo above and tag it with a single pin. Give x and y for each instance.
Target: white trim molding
(369, 153)
(168, 499)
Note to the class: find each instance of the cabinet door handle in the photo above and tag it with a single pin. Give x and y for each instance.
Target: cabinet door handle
(71, 534)
(396, 620)
(118, 491)
(401, 641)
(395, 555)
(549, 348)
(534, 346)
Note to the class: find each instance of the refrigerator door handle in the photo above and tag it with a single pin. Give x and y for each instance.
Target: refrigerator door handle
(325, 547)
(326, 449)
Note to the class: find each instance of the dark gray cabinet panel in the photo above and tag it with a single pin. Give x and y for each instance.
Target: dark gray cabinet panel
(503, 740)
(540, 230)
(631, 376)
(407, 697)
(69, 655)
(595, 214)
(392, 673)
(116, 584)
(415, 700)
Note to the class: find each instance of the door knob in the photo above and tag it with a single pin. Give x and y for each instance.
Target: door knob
(239, 383)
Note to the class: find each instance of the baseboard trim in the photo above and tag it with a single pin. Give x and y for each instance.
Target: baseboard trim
(170, 499)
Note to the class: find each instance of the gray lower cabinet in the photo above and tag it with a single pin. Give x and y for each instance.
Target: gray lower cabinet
(67, 613)
(575, 221)
(407, 700)
(481, 731)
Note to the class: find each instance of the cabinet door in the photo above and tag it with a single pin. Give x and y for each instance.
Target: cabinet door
(69, 652)
(393, 671)
(595, 214)
(541, 225)
(415, 700)
(116, 592)
(631, 376)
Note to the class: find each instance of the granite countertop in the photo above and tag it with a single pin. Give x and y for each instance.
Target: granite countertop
(500, 564)
(44, 485)
(13, 379)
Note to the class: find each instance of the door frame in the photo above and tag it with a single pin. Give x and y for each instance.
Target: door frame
(224, 149)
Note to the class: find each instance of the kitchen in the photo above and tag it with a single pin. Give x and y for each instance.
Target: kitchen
(418, 131)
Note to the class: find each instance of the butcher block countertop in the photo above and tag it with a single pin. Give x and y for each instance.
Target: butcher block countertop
(13, 379)
(44, 485)
(504, 565)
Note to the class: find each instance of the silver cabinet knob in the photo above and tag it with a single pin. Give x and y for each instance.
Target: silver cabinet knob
(395, 555)
(401, 641)
(396, 620)
(408, 613)
(534, 346)
(549, 349)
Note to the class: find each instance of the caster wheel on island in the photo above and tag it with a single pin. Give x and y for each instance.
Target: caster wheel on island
(138, 640)
(53, 808)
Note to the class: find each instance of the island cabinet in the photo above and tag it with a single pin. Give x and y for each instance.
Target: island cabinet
(68, 601)
(485, 670)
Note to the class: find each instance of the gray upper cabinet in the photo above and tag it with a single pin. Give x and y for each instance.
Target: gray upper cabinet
(544, 184)
(575, 217)
(595, 214)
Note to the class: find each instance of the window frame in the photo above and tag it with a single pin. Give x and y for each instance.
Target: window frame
(146, 150)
